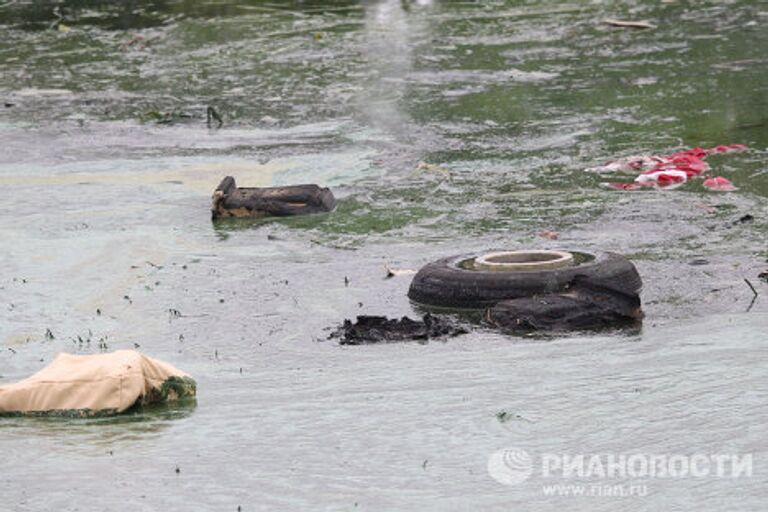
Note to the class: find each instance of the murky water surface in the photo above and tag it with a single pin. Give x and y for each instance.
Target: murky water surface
(106, 170)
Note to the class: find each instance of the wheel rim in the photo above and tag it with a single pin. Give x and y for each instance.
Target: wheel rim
(521, 261)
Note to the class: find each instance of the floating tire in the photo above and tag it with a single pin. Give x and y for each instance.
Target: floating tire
(456, 283)
(232, 201)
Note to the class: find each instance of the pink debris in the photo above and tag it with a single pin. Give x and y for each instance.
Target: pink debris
(719, 184)
(663, 179)
(728, 148)
(549, 234)
(629, 164)
(670, 171)
(617, 185)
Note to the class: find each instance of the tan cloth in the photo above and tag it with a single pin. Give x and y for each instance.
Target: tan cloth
(101, 383)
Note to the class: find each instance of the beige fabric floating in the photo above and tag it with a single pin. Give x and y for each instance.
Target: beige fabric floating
(91, 385)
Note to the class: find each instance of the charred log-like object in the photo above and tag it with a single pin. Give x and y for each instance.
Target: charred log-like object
(229, 200)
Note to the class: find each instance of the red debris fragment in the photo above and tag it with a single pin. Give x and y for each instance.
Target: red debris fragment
(719, 184)
(728, 148)
(549, 234)
(670, 171)
(623, 186)
(663, 179)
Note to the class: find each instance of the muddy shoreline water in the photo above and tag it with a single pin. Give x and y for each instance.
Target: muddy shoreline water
(107, 241)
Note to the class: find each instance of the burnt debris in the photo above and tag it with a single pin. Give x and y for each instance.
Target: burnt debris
(229, 200)
(380, 329)
(584, 305)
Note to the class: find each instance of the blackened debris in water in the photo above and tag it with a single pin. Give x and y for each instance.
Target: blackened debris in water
(763, 276)
(212, 115)
(585, 306)
(231, 201)
(380, 329)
